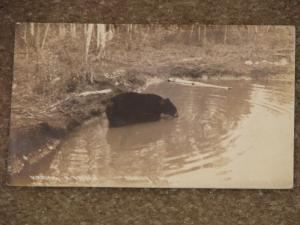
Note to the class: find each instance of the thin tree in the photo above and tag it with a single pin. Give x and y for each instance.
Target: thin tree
(62, 30)
(37, 41)
(32, 29)
(73, 30)
(199, 32)
(98, 36)
(225, 34)
(90, 28)
(101, 39)
(25, 41)
(130, 27)
(204, 34)
(89, 33)
(45, 35)
(255, 32)
(192, 30)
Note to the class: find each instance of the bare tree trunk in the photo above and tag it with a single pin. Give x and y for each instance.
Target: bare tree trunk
(101, 39)
(25, 41)
(110, 33)
(88, 40)
(62, 30)
(192, 30)
(73, 30)
(85, 29)
(37, 48)
(199, 32)
(32, 29)
(98, 27)
(148, 28)
(89, 33)
(45, 35)
(37, 37)
(255, 32)
(205, 35)
(130, 31)
(59, 30)
(225, 34)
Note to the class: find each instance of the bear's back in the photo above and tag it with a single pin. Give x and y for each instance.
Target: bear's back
(132, 99)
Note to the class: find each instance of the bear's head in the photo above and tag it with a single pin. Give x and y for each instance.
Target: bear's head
(168, 108)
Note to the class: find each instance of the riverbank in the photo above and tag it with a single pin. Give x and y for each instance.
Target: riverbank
(37, 133)
(212, 133)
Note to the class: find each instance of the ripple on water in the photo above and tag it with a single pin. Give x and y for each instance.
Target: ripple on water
(209, 126)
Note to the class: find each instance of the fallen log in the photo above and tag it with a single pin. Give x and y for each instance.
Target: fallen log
(195, 83)
(105, 91)
(83, 94)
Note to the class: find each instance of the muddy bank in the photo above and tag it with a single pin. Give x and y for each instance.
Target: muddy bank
(31, 142)
(248, 70)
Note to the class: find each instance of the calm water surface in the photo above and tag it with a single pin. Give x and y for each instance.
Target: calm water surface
(241, 137)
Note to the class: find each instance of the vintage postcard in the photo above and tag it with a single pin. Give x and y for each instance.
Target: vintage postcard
(149, 105)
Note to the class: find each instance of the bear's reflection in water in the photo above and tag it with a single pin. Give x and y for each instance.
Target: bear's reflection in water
(137, 151)
(139, 136)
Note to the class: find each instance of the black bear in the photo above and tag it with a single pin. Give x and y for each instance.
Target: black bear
(131, 107)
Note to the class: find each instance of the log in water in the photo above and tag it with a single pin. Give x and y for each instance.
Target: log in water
(195, 83)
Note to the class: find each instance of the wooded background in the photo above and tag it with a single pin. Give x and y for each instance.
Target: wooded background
(46, 53)
(142, 206)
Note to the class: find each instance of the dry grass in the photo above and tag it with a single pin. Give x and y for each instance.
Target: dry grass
(52, 73)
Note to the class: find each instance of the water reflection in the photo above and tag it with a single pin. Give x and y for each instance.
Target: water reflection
(214, 142)
(202, 132)
(138, 136)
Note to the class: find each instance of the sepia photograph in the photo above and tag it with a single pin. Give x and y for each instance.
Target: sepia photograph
(152, 106)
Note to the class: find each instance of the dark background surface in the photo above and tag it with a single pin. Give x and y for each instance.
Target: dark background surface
(143, 206)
